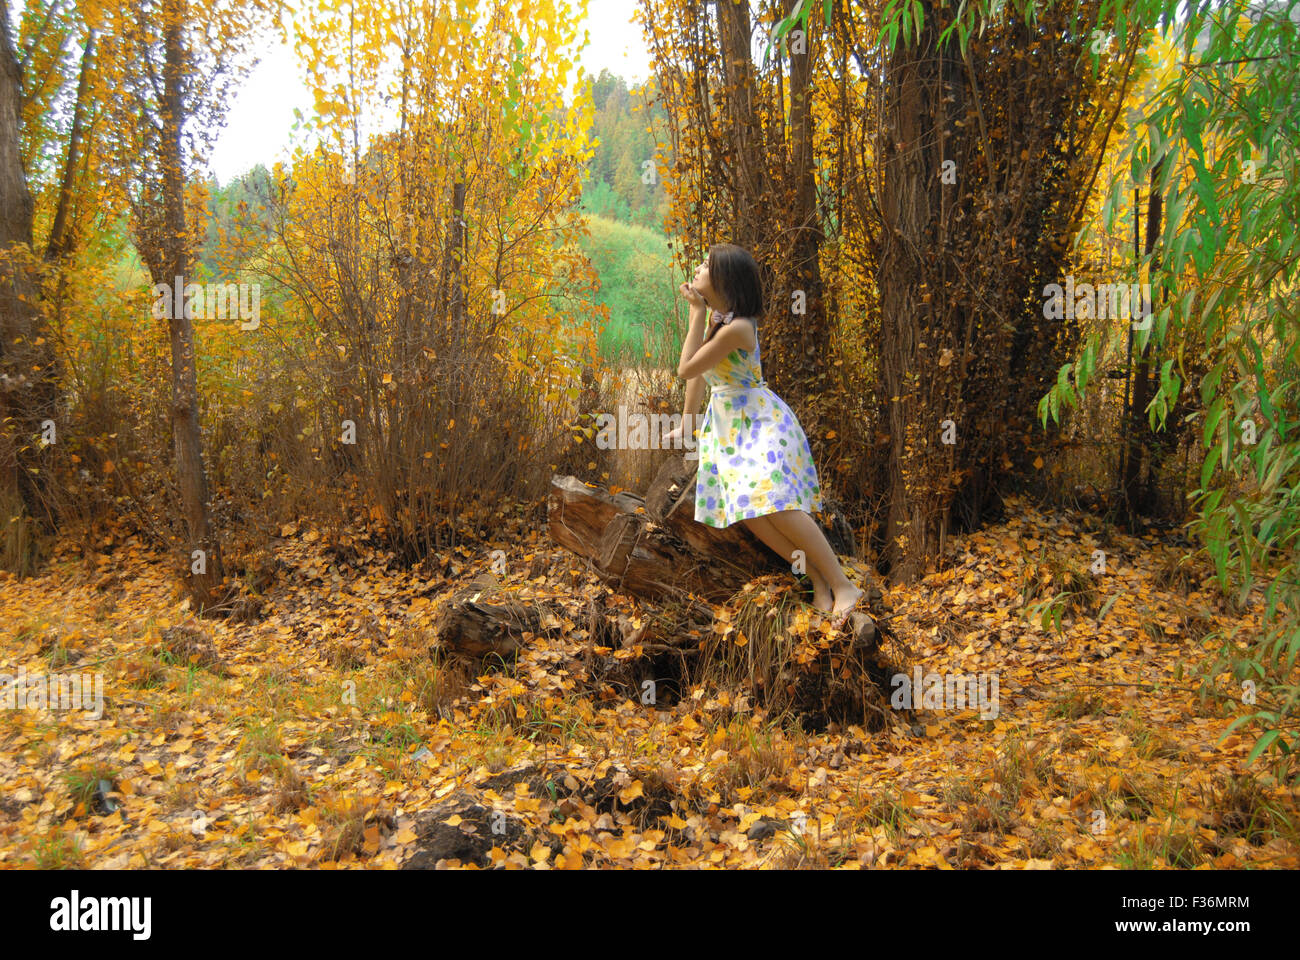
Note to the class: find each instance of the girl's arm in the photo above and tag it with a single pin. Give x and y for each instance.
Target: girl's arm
(694, 385)
(694, 394)
(694, 337)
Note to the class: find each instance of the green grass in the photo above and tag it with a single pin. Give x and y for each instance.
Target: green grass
(639, 287)
(59, 852)
(84, 781)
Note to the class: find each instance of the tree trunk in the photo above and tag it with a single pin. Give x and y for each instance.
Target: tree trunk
(796, 343)
(203, 555)
(1137, 486)
(28, 367)
(979, 155)
(61, 239)
(915, 143)
(800, 376)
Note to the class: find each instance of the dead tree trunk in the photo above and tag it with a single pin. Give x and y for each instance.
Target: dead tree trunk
(652, 548)
(28, 370)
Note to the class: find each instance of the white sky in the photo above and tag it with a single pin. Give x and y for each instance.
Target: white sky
(258, 121)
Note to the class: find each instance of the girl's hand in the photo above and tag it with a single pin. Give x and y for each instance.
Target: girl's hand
(692, 295)
(671, 436)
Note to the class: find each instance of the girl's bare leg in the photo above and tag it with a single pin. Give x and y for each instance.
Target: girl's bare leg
(802, 531)
(765, 530)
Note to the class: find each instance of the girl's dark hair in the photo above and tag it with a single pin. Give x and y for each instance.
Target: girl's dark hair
(733, 272)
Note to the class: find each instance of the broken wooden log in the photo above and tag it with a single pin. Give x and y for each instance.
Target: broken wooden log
(670, 501)
(480, 621)
(653, 547)
(578, 512)
(655, 553)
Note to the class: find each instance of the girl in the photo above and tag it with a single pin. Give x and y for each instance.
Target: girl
(754, 461)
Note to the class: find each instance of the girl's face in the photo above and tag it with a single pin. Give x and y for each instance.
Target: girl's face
(703, 284)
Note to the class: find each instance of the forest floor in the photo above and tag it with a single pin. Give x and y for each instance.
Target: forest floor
(325, 734)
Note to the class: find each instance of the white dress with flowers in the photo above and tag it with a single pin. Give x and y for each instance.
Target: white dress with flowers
(754, 457)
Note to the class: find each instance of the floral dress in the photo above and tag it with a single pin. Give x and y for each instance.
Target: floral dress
(754, 457)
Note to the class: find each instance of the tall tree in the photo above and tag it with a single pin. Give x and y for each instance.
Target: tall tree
(987, 151)
(175, 64)
(28, 369)
(62, 237)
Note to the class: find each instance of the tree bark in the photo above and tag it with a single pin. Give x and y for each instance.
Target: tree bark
(1137, 486)
(61, 239)
(796, 355)
(912, 212)
(803, 339)
(28, 367)
(191, 471)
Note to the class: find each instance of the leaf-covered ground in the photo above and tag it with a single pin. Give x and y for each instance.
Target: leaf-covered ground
(326, 734)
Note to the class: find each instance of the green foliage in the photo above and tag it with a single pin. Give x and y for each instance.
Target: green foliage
(600, 200)
(637, 286)
(1225, 131)
(238, 222)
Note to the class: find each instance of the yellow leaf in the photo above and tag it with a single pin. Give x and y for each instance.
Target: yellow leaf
(630, 793)
(620, 849)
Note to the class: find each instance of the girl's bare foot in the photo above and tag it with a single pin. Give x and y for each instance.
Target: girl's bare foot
(844, 602)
